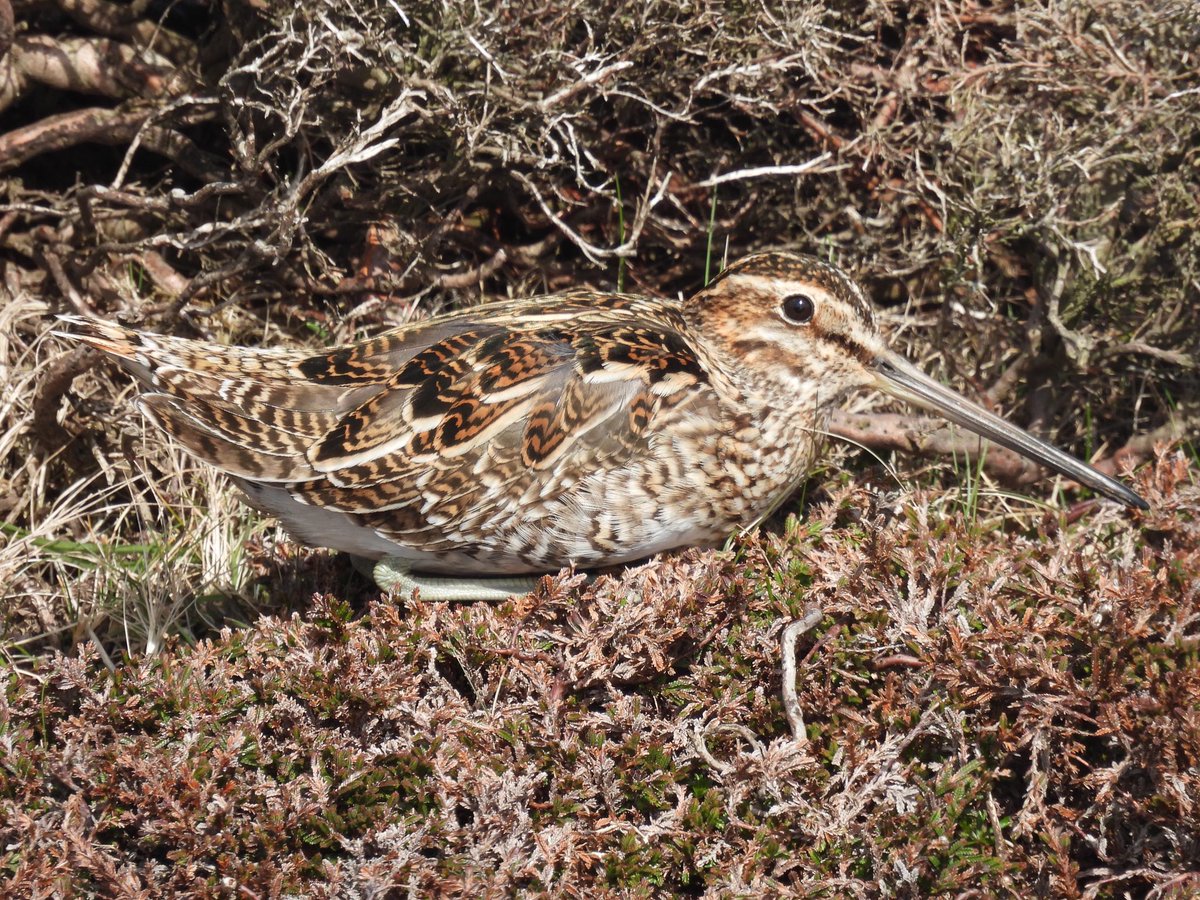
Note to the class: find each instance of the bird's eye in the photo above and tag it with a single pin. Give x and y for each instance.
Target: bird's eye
(798, 309)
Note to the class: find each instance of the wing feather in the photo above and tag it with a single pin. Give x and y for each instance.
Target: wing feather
(429, 429)
(217, 449)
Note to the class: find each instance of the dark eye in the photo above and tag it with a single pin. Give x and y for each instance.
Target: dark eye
(798, 309)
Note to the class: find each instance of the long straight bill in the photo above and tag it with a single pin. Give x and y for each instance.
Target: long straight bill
(900, 378)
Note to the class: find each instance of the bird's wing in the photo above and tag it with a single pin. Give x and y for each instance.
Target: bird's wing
(426, 422)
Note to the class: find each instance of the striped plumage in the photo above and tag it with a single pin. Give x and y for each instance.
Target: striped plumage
(583, 428)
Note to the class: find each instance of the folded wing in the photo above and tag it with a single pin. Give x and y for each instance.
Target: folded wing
(426, 431)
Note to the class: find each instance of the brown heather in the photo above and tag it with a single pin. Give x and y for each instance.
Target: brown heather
(1003, 697)
(1012, 711)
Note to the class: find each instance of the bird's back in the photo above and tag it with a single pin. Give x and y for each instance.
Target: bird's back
(516, 436)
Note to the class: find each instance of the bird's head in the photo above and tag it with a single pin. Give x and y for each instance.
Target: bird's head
(805, 333)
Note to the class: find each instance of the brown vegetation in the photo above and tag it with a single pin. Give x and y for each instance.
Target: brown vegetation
(996, 700)
(1011, 712)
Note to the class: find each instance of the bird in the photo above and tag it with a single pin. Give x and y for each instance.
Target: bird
(468, 453)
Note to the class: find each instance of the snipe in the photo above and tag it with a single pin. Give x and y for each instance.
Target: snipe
(519, 437)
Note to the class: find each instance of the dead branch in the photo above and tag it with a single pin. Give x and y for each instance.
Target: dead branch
(1141, 348)
(97, 66)
(52, 264)
(1141, 447)
(791, 700)
(122, 22)
(52, 387)
(7, 33)
(162, 274)
(100, 126)
(886, 432)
